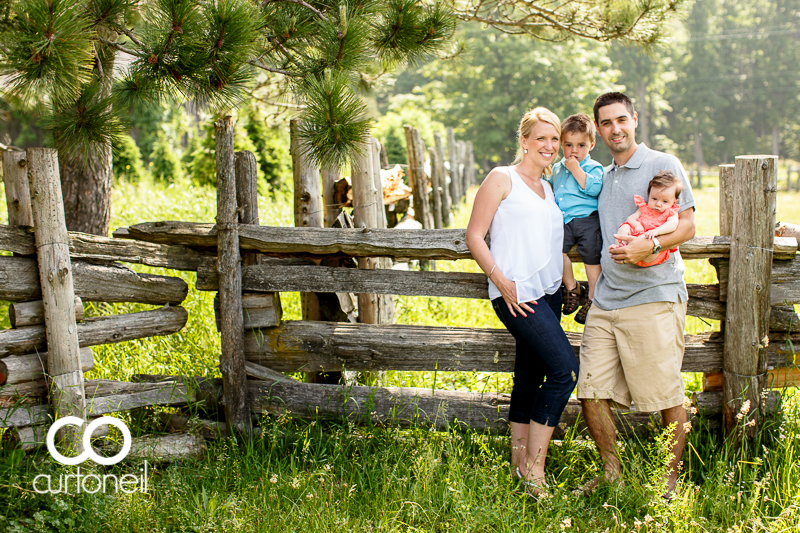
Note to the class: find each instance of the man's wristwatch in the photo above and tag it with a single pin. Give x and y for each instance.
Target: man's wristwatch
(656, 246)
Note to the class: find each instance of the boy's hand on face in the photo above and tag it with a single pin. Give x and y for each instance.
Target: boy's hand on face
(572, 164)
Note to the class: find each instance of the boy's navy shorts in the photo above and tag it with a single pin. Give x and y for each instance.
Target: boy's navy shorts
(585, 232)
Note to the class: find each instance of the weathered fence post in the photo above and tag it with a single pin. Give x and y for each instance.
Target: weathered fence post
(308, 213)
(18, 195)
(307, 207)
(329, 179)
(385, 301)
(67, 395)
(380, 211)
(417, 177)
(446, 202)
(462, 174)
(469, 164)
(712, 381)
(234, 377)
(748, 309)
(364, 217)
(436, 180)
(247, 196)
(452, 157)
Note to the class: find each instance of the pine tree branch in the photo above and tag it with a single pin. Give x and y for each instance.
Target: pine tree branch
(130, 36)
(273, 69)
(276, 104)
(119, 47)
(316, 11)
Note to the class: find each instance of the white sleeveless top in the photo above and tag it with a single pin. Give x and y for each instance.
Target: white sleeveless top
(527, 237)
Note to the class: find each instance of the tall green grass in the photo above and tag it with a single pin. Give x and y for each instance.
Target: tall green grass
(344, 476)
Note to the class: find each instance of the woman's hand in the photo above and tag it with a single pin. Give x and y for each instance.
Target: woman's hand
(508, 290)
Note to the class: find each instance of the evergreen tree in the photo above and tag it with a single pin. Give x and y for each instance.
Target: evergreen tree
(319, 51)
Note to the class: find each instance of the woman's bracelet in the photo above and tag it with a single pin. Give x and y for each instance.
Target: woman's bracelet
(492, 271)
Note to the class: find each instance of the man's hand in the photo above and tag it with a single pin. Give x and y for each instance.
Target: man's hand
(634, 250)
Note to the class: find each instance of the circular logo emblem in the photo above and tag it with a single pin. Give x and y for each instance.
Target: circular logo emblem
(88, 452)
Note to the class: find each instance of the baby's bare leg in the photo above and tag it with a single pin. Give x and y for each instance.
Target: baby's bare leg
(623, 230)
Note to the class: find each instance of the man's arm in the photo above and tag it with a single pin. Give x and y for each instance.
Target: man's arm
(639, 248)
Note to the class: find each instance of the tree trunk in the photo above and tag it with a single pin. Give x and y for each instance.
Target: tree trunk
(87, 193)
(86, 183)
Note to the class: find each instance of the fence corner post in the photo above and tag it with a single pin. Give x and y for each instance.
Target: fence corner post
(234, 377)
(67, 395)
(748, 309)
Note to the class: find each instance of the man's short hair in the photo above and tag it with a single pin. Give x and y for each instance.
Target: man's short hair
(578, 123)
(612, 98)
(665, 179)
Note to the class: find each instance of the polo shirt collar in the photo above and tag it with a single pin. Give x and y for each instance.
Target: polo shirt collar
(637, 158)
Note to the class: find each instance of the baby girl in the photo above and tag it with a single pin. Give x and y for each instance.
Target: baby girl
(657, 216)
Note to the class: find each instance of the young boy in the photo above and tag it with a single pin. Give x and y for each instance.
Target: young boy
(577, 180)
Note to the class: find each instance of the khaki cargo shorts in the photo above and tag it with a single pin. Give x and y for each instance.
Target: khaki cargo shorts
(635, 354)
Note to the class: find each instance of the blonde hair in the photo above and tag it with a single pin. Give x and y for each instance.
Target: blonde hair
(531, 119)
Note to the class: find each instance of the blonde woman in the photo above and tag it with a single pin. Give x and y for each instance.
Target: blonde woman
(524, 267)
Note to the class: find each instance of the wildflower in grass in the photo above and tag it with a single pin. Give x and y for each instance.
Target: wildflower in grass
(745, 407)
(751, 423)
(687, 427)
(273, 479)
(637, 523)
(566, 523)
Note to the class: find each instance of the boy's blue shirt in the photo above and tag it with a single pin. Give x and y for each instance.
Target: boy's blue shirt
(573, 201)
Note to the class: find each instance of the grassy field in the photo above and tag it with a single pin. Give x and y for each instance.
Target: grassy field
(338, 476)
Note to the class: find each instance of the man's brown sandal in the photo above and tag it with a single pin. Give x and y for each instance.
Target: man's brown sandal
(572, 299)
(580, 318)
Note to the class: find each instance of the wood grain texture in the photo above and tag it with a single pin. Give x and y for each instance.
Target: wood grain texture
(323, 346)
(446, 200)
(22, 314)
(259, 310)
(19, 394)
(64, 366)
(19, 282)
(99, 330)
(18, 195)
(417, 177)
(404, 406)
(397, 243)
(167, 448)
(231, 362)
(31, 367)
(104, 396)
(20, 240)
(747, 322)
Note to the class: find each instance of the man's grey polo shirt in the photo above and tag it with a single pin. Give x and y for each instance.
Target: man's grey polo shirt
(627, 285)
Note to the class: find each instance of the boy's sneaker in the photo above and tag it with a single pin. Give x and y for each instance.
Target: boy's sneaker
(580, 318)
(572, 299)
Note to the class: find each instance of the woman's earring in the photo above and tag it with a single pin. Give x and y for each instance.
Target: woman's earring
(525, 150)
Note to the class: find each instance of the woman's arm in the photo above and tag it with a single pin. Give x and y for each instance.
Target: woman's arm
(493, 190)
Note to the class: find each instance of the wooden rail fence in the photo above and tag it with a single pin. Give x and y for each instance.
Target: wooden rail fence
(755, 351)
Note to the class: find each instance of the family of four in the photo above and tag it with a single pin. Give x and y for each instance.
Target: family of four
(627, 221)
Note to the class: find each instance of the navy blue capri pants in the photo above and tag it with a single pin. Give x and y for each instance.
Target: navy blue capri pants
(543, 351)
